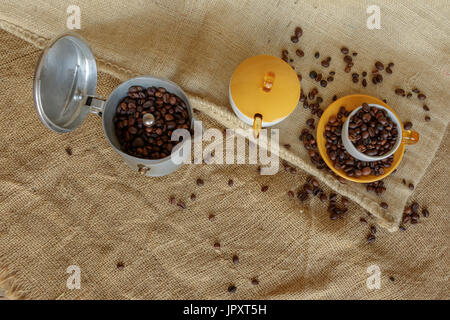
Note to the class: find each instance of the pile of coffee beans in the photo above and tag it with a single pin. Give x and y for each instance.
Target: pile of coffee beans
(372, 131)
(377, 187)
(149, 141)
(411, 215)
(341, 159)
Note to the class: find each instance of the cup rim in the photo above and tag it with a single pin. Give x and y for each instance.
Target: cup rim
(362, 156)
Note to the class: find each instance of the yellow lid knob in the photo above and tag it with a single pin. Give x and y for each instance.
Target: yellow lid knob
(265, 85)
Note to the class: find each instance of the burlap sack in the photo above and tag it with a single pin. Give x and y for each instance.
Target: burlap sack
(90, 210)
(199, 44)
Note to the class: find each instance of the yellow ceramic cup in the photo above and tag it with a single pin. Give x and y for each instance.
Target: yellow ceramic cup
(350, 103)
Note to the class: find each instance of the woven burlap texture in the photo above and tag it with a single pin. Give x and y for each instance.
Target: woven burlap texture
(89, 209)
(199, 44)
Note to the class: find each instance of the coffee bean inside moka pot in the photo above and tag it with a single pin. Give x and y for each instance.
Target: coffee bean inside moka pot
(145, 120)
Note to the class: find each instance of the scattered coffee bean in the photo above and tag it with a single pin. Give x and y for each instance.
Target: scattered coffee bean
(392, 278)
(415, 90)
(120, 265)
(345, 201)
(318, 77)
(384, 205)
(409, 95)
(193, 196)
(371, 238)
(377, 186)
(232, 289)
(255, 282)
(325, 63)
(299, 53)
(291, 194)
(323, 197)
(427, 118)
(373, 229)
(69, 151)
(354, 54)
(196, 111)
(411, 186)
(362, 220)
(298, 32)
(323, 83)
(425, 213)
(211, 217)
(200, 182)
(217, 246)
(407, 125)
(379, 66)
(181, 204)
(344, 50)
(334, 98)
(400, 92)
(302, 196)
(317, 55)
(264, 188)
(364, 83)
(421, 96)
(404, 181)
(425, 107)
(235, 259)
(402, 228)
(313, 75)
(348, 59)
(230, 183)
(294, 39)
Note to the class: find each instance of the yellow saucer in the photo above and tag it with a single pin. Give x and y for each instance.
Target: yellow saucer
(350, 103)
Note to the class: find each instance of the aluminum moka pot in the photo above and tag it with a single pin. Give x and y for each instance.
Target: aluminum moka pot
(65, 86)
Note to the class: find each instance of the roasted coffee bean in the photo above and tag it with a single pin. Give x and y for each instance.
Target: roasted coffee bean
(402, 228)
(298, 32)
(325, 63)
(364, 82)
(409, 95)
(235, 259)
(232, 289)
(230, 183)
(120, 265)
(330, 78)
(354, 54)
(317, 55)
(313, 75)
(427, 118)
(411, 186)
(347, 69)
(379, 66)
(425, 213)
(415, 90)
(400, 92)
(407, 125)
(181, 204)
(421, 96)
(318, 77)
(323, 197)
(344, 50)
(255, 282)
(299, 53)
(211, 217)
(69, 151)
(193, 196)
(348, 59)
(415, 207)
(362, 220)
(373, 229)
(294, 39)
(384, 205)
(291, 194)
(371, 238)
(264, 188)
(334, 98)
(323, 83)
(379, 78)
(425, 107)
(345, 201)
(200, 182)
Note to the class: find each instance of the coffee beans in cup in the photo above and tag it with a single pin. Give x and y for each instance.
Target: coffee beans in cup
(145, 119)
(339, 156)
(372, 131)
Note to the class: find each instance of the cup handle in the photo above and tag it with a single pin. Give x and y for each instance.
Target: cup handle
(410, 137)
(257, 125)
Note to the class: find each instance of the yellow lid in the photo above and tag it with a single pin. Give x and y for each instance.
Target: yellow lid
(265, 85)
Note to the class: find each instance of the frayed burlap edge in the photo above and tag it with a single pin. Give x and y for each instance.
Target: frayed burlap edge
(228, 119)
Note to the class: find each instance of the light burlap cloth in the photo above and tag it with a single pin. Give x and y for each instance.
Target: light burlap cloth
(198, 44)
(90, 210)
